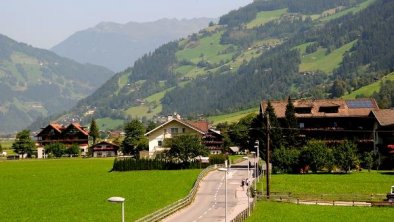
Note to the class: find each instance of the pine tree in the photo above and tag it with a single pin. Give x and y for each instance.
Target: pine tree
(291, 124)
(94, 131)
(275, 130)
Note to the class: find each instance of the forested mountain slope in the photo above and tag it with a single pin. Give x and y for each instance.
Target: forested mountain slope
(266, 50)
(36, 83)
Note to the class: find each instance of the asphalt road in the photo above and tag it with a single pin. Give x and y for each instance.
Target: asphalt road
(209, 204)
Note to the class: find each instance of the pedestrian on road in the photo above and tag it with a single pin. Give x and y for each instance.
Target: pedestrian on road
(242, 184)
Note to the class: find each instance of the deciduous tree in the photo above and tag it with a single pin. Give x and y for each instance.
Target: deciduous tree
(23, 143)
(134, 132)
(186, 147)
(56, 149)
(346, 155)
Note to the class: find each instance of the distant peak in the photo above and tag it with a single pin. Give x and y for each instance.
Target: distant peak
(107, 26)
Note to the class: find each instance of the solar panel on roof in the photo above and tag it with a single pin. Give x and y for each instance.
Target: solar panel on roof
(360, 104)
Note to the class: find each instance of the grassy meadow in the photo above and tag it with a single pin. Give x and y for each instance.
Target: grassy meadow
(352, 183)
(232, 117)
(332, 186)
(319, 60)
(369, 90)
(77, 190)
(273, 211)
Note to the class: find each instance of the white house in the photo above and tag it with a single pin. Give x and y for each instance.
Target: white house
(172, 127)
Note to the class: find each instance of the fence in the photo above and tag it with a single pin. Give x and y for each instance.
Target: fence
(350, 197)
(172, 208)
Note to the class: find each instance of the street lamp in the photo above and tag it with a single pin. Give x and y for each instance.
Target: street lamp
(247, 189)
(246, 158)
(255, 171)
(225, 192)
(118, 200)
(257, 146)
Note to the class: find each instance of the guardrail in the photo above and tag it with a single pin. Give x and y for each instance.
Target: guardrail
(172, 208)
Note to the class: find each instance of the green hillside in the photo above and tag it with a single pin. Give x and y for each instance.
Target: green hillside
(265, 16)
(265, 50)
(321, 60)
(35, 83)
(369, 90)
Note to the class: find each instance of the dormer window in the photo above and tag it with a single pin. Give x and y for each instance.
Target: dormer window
(303, 110)
(328, 109)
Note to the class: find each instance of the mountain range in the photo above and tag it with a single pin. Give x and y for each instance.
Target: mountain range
(35, 83)
(268, 49)
(117, 46)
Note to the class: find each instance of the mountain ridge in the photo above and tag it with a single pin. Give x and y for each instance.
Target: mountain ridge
(117, 45)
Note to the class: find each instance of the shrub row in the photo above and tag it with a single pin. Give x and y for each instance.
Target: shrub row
(128, 164)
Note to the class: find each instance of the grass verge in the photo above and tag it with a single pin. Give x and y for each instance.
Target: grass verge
(77, 190)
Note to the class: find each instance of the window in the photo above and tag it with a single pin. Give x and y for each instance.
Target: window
(183, 130)
(302, 125)
(174, 130)
(302, 110)
(160, 143)
(328, 109)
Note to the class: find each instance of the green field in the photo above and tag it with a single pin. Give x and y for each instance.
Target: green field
(369, 90)
(320, 61)
(353, 183)
(273, 211)
(232, 117)
(350, 10)
(108, 123)
(207, 48)
(266, 16)
(77, 189)
(331, 186)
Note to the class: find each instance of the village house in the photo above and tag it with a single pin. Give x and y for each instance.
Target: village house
(104, 149)
(57, 133)
(174, 125)
(335, 120)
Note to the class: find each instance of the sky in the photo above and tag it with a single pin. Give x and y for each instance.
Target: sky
(45, 23)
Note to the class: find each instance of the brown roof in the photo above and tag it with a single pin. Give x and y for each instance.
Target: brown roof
(197, 126)
(57, 126)
(346, 108)
(202, 125)
(385, 117)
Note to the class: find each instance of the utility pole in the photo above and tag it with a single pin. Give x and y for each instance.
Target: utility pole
(267, 162)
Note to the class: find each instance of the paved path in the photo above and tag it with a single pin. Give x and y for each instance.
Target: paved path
(209, 204)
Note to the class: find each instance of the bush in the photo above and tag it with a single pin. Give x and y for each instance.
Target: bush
(217, 158)
(285, 160)
(316, 155)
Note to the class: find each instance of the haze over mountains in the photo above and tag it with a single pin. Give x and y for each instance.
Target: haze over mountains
(35, 83)
(116, 46)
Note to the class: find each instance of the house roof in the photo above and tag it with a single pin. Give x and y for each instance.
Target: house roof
(197, 126)
(57, 126)
(106, 142)
(60, 128)
(346, 108)
(385, 117)
(78, 127)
